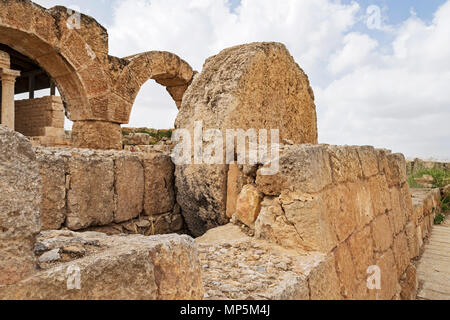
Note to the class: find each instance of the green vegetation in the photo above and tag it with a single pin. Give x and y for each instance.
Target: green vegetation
(445, 204)
(441, 178)
(439, 219)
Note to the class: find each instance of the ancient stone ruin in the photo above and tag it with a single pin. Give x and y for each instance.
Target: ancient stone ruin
(89, 220)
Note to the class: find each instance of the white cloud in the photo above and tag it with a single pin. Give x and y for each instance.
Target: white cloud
(399, 101)
(393, 95)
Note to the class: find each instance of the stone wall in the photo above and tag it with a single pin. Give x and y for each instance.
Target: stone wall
(415, 166)
(19, 206)
(40, 117)
(109, 191)
(351, 203)
(62, 264)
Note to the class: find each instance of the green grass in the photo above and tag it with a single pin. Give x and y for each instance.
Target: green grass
(439, 177)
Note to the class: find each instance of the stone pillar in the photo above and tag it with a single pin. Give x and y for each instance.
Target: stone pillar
(8, 78)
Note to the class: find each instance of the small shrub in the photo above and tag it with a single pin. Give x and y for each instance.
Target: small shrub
(445, 204)
(439, 219)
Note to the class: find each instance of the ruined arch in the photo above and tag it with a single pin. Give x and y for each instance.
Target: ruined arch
(166, 68)
(45, 37)
(98, 90)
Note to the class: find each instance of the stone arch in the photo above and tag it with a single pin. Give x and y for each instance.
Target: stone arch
(71, 58)
(166, 68)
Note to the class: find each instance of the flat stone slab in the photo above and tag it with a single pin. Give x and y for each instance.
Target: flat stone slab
(238, 267)
(112, 267)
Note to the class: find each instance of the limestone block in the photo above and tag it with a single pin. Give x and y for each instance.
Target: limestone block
(324, 282)
(369, 161)
(307, 213)
(272, 225)
(159, 194)
(341, 208)
(401, 253)
(303, 168)
(236, 181)
(360, 194)
(409, 283)
(382, 233)
(252, 86)
(129, 187)
(397, 216)
(379, 193)
(137, 139)
(52, 168)
(413, 241)
(19, 206)
(90, 196)
(397, 169)
(97, 135)
(126, 268)
(345, 268)
(389, 278)
(248, 205)
(362, 251)
(345, 164)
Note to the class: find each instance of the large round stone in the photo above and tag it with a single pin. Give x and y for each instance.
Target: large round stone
(253, 86)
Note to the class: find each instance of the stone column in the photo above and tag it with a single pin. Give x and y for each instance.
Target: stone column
(8, 78)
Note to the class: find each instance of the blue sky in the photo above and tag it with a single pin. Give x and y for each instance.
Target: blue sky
(385, 86)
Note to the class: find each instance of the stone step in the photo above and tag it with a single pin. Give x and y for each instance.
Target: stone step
(438, 266)
(427, 256)
(439, 252)
(440, 241)
(427, 294)
(437, 287)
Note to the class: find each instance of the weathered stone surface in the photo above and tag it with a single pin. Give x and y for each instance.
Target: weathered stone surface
(303, 168)
(397, 169)
(307, 213)
(136, 139)
(201, 193)
(248, 205)
(369, 161)
(362, 251)
(131, 267)
(345, 164)
(413, 242)
(389, 280)
(159, 196)
(253, 86)
(382, 233)
(379, 193)
(397, 216)
(52, 170)
(273, 225)
(345, 268)
(409, 283)
(237, 179)
(19, 206)
(129, 187)
(90, 196)
(324, 282)
(96, 135)
(342, 210)
(401, 253)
